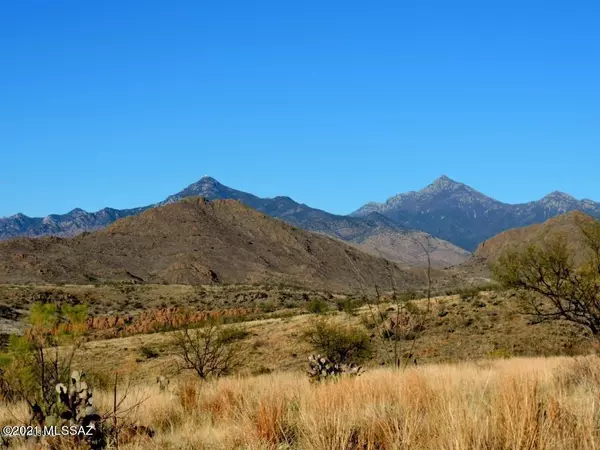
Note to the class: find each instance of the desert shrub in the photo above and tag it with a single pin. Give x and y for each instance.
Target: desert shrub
(499, 353)
(262, 370)
(317, 306)
(340, 344)
(101, 380)
(149, 352)
(469, 293)
(349, 305)
(267, 307)
(232, 334)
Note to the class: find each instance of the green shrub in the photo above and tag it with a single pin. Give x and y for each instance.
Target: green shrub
(232, 334)
(340, 344)
(499, 353)
(267, 307)
(148, 352)
(349, 305)
(469, 293)
(317, 306)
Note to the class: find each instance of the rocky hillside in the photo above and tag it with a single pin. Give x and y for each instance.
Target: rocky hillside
(196, 241)
(377, 232)
(566, 224)
(457, 213)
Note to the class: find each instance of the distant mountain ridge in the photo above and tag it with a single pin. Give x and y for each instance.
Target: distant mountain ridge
(458, 213)
(374, 233)
(458, 216)
(196, 241)
(69, 224)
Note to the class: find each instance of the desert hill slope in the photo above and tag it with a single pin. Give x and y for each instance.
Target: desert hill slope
(373, 233)
(196, 241)
(517, 238)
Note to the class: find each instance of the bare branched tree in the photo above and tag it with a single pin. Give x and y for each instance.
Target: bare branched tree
(205, 351)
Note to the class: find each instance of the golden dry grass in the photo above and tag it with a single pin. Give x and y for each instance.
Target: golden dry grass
(519, 403)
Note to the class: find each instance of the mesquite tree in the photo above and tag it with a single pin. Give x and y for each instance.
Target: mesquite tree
(559, 284)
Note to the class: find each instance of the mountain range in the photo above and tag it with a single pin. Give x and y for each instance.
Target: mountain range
(373, 233)
(196, 241)
(451, 216)
(458, 213)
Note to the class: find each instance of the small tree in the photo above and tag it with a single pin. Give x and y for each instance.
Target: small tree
(36, 362)
(208, 350)
(570, 290)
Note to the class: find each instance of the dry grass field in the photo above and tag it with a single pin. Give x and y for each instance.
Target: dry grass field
(517, 403)
(486, 379)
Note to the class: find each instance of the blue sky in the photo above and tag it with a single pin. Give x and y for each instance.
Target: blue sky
(121, 103)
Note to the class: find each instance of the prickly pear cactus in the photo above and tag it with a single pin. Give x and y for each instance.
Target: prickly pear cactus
(78, 409)
(321, 368)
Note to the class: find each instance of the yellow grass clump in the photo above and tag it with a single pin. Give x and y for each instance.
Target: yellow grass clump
(519, 403)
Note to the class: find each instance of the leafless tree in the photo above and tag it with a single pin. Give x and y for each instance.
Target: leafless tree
(205, 351)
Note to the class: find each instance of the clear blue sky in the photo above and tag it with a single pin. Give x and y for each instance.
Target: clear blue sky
(121, 103)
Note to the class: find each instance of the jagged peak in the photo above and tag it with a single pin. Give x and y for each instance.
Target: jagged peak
(207, 180)
(442, 183)
(558, 195)
(18, 216)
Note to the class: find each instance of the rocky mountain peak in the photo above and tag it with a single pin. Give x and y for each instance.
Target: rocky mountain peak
(205, 183)
(557, 195)
(442, 184)
(559, 200)
(18, 216)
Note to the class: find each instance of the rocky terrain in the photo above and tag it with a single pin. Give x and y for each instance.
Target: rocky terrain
(196, 241)
(457, 213)
(375, 231)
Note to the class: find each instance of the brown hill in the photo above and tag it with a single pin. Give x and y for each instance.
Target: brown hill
(565, 224)
(405, 248)
(197, 242)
